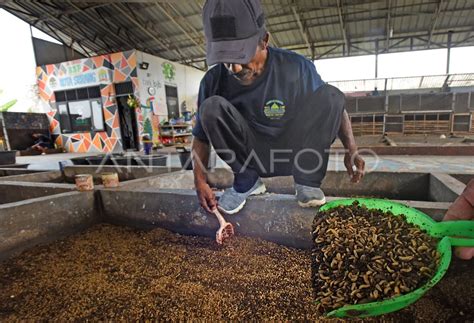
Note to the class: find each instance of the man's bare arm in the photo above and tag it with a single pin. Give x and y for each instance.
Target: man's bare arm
(200, 153)
(345, 133)
(351, 157)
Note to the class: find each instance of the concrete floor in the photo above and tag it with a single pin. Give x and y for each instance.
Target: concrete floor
(411, 140)
(442, 164)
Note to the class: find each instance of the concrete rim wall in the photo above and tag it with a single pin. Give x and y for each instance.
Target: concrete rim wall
(275, 217)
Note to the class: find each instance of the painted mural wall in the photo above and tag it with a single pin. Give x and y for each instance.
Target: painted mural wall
(101, 70)
(152, 82)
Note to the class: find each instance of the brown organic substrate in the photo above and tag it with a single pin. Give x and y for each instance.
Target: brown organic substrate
(112, 272)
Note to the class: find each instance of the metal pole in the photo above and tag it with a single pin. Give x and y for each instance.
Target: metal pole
(376, 59)
(450, 34)
(33, 45)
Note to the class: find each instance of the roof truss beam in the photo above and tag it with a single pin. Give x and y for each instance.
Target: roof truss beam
(394, 45)
(366, 51)
(69, 12)
(16, 10)
(97, 26)
(117, 39)
(429, 43)
(303, 30)
(396, 41)
(124, 1)
(168, 14)
(85, 51)
(351, 17)
(388, 27)
(329, 51)
(469, 37)
(434, 20)
(74, 39)
(111, 26)
(335, 45)
(342, 25)
(135, 21)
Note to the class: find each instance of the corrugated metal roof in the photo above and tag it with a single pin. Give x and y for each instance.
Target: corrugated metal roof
(173, 28)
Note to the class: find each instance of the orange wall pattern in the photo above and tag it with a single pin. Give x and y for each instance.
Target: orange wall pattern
(104, 70)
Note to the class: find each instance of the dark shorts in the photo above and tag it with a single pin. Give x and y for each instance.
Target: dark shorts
(301, 149)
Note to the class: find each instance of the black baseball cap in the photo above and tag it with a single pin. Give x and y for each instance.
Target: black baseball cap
(233, 29)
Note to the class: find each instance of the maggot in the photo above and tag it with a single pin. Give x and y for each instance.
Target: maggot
(405, 258)
(422, 248)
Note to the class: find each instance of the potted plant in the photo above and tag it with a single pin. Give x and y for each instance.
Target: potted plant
(133, 102)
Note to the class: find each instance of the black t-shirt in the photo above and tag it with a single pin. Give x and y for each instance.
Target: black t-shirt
(272, 100)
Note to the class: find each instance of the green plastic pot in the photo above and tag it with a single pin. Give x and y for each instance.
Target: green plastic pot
(450, 233)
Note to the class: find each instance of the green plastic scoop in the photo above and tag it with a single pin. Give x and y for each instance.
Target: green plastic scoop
(446, 231)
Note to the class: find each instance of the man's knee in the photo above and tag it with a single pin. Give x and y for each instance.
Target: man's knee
(211, 108)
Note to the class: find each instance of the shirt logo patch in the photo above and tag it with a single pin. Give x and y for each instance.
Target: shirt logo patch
(274, 109)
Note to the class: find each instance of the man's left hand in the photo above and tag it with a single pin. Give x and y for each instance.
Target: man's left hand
(351, 159)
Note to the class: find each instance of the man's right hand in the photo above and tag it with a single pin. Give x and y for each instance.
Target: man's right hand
(206, 197)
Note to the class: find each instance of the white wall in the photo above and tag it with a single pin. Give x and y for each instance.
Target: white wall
(193, 79)
(186, 79)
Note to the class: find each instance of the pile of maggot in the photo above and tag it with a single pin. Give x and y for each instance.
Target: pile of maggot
(364, 255)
